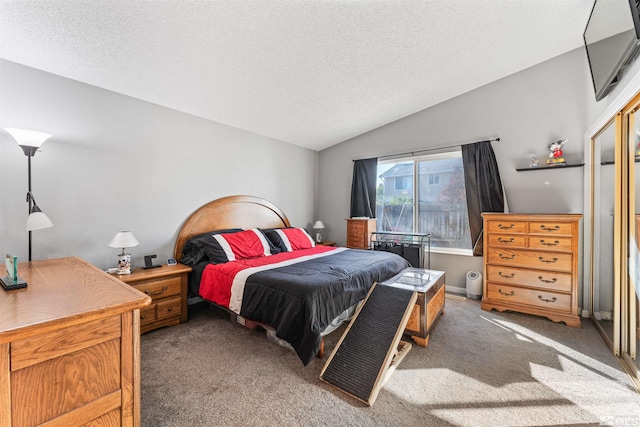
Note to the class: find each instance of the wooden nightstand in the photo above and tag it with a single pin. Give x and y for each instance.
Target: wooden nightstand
(325, 243)
(167, 287)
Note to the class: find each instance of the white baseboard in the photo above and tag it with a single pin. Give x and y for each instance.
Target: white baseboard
(456, 290)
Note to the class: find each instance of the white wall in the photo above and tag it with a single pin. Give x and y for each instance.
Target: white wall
(526, 110)
(117, 163)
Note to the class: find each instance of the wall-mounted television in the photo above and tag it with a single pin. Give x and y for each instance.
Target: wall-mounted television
(612, 41)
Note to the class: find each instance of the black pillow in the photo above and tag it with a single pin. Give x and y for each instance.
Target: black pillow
(196, 248)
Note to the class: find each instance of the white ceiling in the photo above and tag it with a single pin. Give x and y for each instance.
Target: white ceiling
(308, 72)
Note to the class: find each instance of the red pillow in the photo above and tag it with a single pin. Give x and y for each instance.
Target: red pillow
(295, 238)
(243, 244)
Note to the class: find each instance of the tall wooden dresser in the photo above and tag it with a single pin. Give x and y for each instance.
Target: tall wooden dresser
(359, 232)
(70, 347)
(531, 265)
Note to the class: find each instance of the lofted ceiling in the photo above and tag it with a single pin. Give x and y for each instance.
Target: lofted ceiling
(308, 72)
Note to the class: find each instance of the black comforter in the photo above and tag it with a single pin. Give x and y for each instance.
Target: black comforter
(302, 299)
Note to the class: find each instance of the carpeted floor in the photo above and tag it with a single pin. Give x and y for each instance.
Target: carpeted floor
(480, 369)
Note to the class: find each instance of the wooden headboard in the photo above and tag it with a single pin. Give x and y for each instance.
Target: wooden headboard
(230, 212)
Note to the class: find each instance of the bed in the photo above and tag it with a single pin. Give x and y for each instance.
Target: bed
(247, 259)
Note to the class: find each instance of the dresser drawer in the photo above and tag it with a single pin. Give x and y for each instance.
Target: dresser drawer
(551, 243)
(532, 297)
(555, 228)
(356, 226)
(508, 240)
(168, 308)
(506, 226)
(554, 261)
(551, 280)
(161, 288)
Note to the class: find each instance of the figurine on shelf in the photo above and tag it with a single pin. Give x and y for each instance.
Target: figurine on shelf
(638, 145)
(534, 162)
(555, 156)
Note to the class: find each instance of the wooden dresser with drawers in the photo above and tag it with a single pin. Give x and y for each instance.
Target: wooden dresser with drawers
(531, 265)
(359, 232)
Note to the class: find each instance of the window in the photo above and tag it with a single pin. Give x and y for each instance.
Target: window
(433, 201)
(403, 183)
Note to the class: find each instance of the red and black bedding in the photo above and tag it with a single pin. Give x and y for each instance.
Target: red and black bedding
(279, 277)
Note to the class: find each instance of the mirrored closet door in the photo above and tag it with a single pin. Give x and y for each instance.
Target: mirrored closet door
(632, 306)
(602, 205)
(613, 269)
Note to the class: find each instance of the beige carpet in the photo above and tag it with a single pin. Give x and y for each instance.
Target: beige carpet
(480, 369)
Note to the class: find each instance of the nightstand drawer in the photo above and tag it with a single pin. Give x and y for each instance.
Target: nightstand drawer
(161, 288)
(168, 308)
(148, 315)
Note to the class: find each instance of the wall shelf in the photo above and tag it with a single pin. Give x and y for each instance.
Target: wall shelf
(611, 162)
(567, 165)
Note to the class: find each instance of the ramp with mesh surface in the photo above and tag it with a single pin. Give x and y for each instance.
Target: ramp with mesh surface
(370, 348)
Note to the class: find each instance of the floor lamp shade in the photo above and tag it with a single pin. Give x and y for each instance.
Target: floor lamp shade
(29, 140)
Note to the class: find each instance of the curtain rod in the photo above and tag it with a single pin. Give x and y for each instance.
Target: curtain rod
(413, 153)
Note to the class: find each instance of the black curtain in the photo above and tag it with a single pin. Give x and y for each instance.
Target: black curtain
(363, 188)
(483, 186)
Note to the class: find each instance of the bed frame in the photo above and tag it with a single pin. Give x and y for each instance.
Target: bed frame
(230, 212)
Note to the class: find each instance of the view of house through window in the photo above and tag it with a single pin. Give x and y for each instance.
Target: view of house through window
(436, 184)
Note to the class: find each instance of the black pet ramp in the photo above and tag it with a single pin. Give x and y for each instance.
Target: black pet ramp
(370, 348)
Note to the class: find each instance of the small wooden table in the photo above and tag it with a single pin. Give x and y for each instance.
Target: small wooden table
(430, 286)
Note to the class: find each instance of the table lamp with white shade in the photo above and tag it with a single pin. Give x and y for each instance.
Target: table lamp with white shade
(318, 225)
(123, 239)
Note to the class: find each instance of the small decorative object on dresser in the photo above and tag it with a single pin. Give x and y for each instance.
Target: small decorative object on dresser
(167, 287)
(359, 232)
(531, 265)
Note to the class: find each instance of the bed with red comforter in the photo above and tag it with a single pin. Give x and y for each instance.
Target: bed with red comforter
(277, 275)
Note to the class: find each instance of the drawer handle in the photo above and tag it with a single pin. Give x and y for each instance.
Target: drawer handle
(545, 228)
(554, 280)
(170, 309)
(163, 290)
(506, 276)
(556, 243)
(142, 317)
(501, 240)
(508, 294)
(502, 227)
(546, 299)
(506, 257)
(548, 261)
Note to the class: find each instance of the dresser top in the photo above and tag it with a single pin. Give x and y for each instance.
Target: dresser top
(62, 292)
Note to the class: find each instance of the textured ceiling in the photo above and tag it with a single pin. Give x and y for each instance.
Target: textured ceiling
(310, 73)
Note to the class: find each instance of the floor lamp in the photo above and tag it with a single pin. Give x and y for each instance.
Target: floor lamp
(30, 141)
